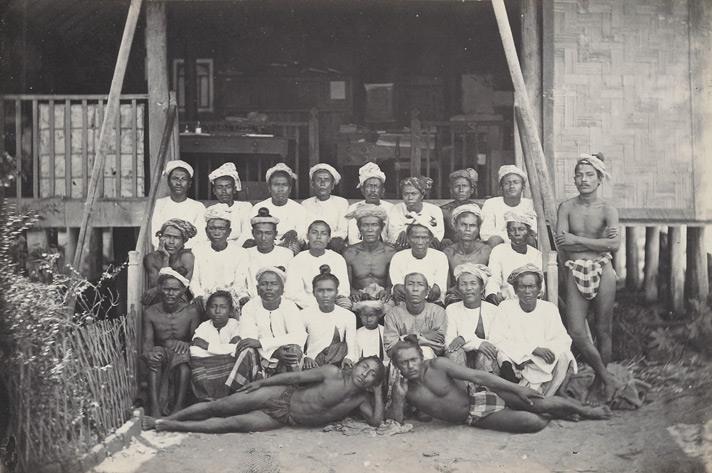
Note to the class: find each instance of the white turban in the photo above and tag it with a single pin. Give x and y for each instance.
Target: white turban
(369, 170)
(226, 170)
(272, 269)
(596, 162)
(373, 304)
(280, 167)
(526, 217)
(510, 169)
(466, 208)
(479, 270)
(221, 211)
(527, 268)
(171, 165)
(168, 271)
(325, 167)
(427, 221)
(368, 210)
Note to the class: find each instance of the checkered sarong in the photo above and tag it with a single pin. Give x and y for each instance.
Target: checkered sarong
(482, 404)
(587, 274)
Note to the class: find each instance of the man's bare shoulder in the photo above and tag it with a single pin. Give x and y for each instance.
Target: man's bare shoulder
(331, 371)
(351, 251)
(568, 204)
(153, 310)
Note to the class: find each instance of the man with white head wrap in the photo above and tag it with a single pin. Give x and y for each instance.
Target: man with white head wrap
(587, 235)
(225, 182)
(327, 207)
(179, 176)
(371, 182)
(512, 181)
(469, 322)
(532, 342)
(468, 247)
(506, 257)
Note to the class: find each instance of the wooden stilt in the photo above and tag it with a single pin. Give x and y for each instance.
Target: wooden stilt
(652, 261)
(619, 260)
(552, 277)
(70, 247)
(697, 275)
(107, 246)
(632, 259)
(677, 269)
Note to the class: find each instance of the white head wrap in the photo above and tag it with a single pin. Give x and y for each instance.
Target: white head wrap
(280, 167)
(596, 162)
(221, 211)
(272, 269)
(168, 271)
(171, 165)
(427, 221)
(263, 216)
(527, 268)
(479, 270)
(368, 210)
(466, 208)
(325, 167)
(374, 304)
(510, 169)
(369, 170)
(227, 170)
(525, 217)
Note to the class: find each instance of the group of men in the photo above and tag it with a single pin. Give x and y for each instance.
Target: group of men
(248, 303)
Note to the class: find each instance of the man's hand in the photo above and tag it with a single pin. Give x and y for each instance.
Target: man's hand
(289, 357)
(400, 390)
(309, 363)
(489, 350)
(155, 356)
(180, 347)
(434, 336)
(434, 293)
(247, 343)
(399, 293)
(566, 239)
(347, 363)
(402, 241)
(611, 232)
(162, 248)
(199, 342)
(526, 394)
(456, 344)
(235, 339)
(253, 386)
(546, 354)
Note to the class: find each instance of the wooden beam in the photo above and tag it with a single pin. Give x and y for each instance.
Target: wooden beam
(632, 258)
(547, 79)
(104, 135)
(677, 269)
(57, 212)
(697, 274)
(652, 264)
(531, 50)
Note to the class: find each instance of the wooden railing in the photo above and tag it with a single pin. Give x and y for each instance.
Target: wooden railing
(55, 138)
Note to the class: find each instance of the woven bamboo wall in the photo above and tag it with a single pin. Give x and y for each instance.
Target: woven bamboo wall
(622, 86)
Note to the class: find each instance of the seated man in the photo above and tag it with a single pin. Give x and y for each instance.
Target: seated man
(331, 330)
(463, 184)
(219, 262)
(323, 206)
(413, 191)
(171, 252)
(512, 182)
(468, 248)
(212, 352)
(417, 320)
(420, 258)
(271, 325)
(587, 233)
(310, 398)
(265, 253)
(461, 395)
(371, 181)
(368, 260)
(168, 327)
(507, 257)
(533, 347)
(306, 265)
(469, 322)
(226, 183)
(177, 205)
(370, 336)
(292, 215)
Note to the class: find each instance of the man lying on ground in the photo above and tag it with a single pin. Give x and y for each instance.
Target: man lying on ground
(453, 393)
(313, 397)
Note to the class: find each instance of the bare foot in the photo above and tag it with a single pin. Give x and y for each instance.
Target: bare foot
(148, 423)
(596, 413)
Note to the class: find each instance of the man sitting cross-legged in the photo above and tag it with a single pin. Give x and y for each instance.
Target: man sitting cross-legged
(453, 393)
(313, 397)
(168, 327)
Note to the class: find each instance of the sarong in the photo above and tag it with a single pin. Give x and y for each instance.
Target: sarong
(335, 353)
(278, 408)
(482, 404)
(587, 274)
(247, 368)
(168, 381)
(208, 376)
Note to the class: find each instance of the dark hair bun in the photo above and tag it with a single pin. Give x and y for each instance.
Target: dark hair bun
(599, 155)
(324, 269)
(281, 268)
(263, 212)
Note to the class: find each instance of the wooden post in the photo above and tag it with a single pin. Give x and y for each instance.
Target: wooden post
(416, 155)
(652, 263)
(552, 277)
(112, 108)
(664, 266)
(677, 270)
(619, 260)
(157, 74)
(531, 54)
(191, 79)
(632, 259)
(313, 137)
(697, 264)
(70, 248)
(107, 245)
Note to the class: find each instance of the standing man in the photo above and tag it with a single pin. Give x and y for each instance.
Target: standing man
(330, 208)
(587, 232)
(225, 182)
(168, 327)
(371, 181)
(177, 204)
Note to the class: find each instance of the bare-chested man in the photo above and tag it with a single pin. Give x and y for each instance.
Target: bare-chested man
(313, 397)
(367, 261)
(168, 328)
(454, 393)
(587, 231)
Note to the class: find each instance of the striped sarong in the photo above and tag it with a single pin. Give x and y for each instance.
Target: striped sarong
(208, 376)
(247, 368)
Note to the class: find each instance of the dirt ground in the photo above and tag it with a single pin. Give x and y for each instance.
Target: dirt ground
(666, 435)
